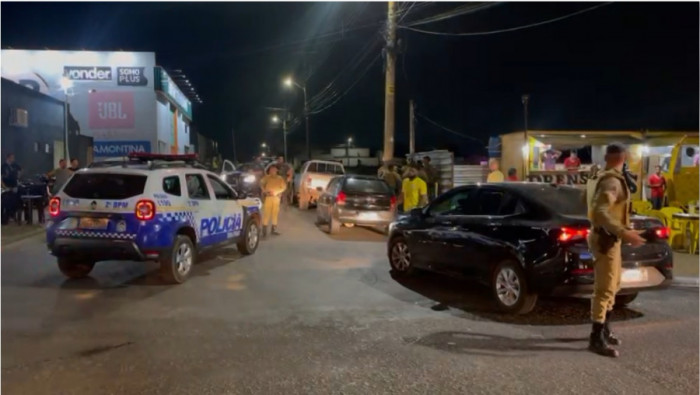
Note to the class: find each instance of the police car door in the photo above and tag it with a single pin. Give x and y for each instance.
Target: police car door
(229, 213)
(201, 204)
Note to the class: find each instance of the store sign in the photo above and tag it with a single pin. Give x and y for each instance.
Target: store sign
(111, 110)
(131, 76)
(567, 179)
(120, 148)
(90, 73)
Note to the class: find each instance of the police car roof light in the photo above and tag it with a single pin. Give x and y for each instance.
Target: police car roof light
(163, 157)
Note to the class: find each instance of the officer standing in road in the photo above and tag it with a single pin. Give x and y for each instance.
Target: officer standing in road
(287, 172)
(610, 228)
(273, 186)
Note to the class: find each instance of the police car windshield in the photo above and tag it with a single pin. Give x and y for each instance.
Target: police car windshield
(105, 186)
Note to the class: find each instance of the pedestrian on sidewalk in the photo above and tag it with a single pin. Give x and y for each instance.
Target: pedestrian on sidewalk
(609, 228)
(11, 202)
(273, 186)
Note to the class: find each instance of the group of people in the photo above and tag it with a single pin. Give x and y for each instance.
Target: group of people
(495, 174)
(415, 186)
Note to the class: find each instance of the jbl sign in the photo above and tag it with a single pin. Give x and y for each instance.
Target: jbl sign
(111, 110)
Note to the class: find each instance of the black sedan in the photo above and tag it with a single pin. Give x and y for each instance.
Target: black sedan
(356, 200)
(522, 240)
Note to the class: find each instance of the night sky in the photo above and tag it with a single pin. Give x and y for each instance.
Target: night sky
(622, 66)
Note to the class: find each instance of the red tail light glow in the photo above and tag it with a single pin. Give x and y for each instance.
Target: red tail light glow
(340, 199)
(662, 233)
(55, 206)
(393, 201)
(308, 180)
(145, 210)
(569, 234)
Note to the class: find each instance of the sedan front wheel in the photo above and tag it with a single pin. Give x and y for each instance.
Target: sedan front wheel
(400, 257)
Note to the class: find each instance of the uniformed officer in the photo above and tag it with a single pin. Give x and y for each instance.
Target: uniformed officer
(273, 186)
(609, 217)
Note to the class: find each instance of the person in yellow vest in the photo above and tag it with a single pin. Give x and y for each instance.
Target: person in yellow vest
(273, 186)
(609, 217)
(414, 191)
(495, 175)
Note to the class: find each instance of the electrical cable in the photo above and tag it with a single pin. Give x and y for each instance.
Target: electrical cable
(359, 78)
(446, 129)
(459, 11)
(508, 30)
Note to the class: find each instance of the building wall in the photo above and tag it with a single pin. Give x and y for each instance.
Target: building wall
(44, 128)
(111, 94)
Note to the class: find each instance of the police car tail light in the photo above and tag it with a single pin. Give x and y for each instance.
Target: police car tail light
(340, 199)
(54, 206)
(145, 210)
(569, 234)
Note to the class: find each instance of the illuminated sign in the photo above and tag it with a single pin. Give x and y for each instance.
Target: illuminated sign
(93, 73)
(166, 85)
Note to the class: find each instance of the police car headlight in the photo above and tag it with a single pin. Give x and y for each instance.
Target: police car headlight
(249, 179)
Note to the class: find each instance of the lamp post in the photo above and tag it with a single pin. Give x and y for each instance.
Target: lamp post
(275, 120)
(289, 83)
(347, 149)
(66, 84)
(525, 100)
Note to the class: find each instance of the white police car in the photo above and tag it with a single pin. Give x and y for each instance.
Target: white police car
(165, 208)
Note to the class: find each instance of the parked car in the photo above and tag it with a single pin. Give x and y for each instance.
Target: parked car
(522, 240)
(313, 180)
(356, 200)
(244, 179)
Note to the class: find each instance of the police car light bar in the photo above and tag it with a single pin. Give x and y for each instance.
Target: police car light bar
(163, 157)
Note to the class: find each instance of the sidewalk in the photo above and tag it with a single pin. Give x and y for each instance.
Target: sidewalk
(13, 232)
(685, 269)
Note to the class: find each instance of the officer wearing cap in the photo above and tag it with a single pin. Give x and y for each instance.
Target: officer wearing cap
(273, 186)
(609, 215)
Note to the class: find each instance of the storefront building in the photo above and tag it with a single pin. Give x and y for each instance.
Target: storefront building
(120, 99)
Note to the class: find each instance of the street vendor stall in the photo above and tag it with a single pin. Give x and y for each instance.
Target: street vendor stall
(545, 156)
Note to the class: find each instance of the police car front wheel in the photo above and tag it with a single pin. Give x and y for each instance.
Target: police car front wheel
(251, 237)
(176, 265)
(73, 268)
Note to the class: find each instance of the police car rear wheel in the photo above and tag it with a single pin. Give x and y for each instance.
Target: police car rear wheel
(177, 265)
(251, 238)
(72, 268)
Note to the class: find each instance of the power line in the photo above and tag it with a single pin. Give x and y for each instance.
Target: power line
(446, 128)
(463, 10)
(369, 66)
(512, 29)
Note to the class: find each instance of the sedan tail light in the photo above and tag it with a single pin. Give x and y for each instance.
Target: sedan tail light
(570, 234)
(393, 201)
(662, 232)
(54, 206)
(145, 210)
(340, 199)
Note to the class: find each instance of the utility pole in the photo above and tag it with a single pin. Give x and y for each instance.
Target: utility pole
(412, 129)
(284, 133)
(306, 116)
(526, 150)
(390, 88)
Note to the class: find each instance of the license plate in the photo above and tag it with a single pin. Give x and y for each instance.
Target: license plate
(367, 216)
(585, 256)
(93, 223)
(634, 275)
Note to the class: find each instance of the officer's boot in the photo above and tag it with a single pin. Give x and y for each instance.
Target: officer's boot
(607, 332)
(264, 232)
(274, 230)
(597, 343)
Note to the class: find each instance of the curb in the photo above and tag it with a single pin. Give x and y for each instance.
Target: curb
(6, 241)
(686, 282)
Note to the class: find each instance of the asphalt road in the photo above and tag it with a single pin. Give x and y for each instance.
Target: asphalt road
(313, 314)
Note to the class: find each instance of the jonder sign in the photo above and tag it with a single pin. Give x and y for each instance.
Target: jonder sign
(89, 73)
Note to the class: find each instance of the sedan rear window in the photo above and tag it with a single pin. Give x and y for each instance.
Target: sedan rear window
(362, 185)
(563, 200)
(105, 186)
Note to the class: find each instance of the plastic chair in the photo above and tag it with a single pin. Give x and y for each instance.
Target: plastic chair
(641, 206)
(676, 229)
(659, 215)
(692, 230)
(669, 211)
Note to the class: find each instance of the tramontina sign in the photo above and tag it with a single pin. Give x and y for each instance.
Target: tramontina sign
(120, 148)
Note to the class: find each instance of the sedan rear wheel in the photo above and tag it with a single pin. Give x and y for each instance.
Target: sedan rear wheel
(510, 289)
(400, 257)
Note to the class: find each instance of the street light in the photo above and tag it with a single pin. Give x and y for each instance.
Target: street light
(263, 145)
(276, 120)
(289, 83)
(66, 85)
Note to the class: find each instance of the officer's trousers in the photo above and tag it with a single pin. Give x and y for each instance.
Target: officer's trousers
(271, 210)
(607, 271)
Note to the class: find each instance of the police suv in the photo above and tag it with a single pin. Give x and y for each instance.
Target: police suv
(148, 207)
